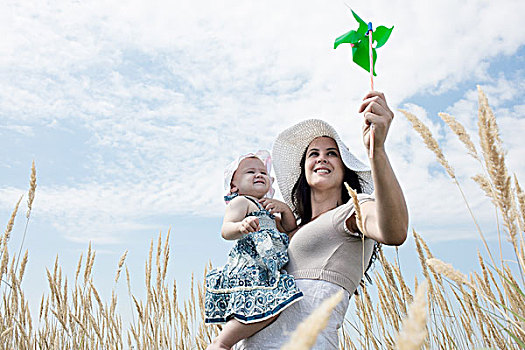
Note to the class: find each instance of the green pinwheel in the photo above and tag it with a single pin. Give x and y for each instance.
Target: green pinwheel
(359, 40)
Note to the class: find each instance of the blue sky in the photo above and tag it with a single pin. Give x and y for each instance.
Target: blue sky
(131, 109)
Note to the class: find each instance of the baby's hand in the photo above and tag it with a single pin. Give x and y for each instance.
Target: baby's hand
(249, 224)
(273, 205)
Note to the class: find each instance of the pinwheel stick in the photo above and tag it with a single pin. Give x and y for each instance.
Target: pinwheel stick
(371, 150)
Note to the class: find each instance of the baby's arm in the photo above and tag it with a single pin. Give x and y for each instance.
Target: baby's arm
(235, 224)
(287, 222)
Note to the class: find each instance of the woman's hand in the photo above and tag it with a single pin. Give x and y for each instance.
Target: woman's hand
(274, 206)
(287, 223)
(376, 112)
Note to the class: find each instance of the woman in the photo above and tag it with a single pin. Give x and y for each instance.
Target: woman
(327, 252)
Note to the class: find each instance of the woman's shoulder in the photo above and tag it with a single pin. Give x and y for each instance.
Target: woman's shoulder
(348, 207)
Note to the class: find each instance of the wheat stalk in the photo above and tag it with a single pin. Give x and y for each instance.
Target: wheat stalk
(305, 334)
(433, 145)
(460, 131)
(120, 264)
(359, 221)
(357, 207)
(494, 156)
(414, 328)
(449, 271)
(10, 223)
(32, 190)
(429, 140)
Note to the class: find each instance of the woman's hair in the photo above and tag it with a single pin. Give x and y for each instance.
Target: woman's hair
(301, 191)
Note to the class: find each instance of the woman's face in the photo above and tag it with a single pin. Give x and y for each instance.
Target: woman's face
(323, 165)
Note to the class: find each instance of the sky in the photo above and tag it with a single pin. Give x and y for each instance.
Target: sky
(132, 109)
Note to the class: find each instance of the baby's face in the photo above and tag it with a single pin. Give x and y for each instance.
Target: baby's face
(251, 178)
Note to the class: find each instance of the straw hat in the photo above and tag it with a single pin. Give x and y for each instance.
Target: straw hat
(289, 148)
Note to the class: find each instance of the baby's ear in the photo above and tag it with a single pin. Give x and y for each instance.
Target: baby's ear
(233, 188)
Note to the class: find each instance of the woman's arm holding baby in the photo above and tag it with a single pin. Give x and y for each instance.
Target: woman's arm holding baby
(274, 206)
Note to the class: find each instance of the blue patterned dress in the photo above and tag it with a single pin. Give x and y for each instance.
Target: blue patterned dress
(252, 286)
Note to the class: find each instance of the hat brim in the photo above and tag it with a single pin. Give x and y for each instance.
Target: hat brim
(290, 146)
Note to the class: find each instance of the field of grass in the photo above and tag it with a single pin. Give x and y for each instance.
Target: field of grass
(445, 309)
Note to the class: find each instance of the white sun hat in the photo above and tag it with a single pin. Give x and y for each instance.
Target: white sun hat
(263, 155)
(290, 146)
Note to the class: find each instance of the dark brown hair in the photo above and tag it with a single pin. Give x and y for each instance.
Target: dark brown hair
(301, 191)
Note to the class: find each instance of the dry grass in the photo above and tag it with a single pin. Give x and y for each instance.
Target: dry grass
(358, 217)
(7, 233)
(32, 190)
(449, 310)
(429, 140)
(74, 316)
(414, 326)
(304, 337)
(461, 133)
(483, 310)
(448, 270)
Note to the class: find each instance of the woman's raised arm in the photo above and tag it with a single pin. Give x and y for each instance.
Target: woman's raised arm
(386, 219)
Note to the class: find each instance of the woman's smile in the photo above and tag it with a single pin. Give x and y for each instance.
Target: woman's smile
(322, 170)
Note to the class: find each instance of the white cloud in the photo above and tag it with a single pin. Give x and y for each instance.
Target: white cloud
(167, 92)
(21, 129)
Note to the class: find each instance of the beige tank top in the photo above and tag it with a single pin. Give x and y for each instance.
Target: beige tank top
(325, 249)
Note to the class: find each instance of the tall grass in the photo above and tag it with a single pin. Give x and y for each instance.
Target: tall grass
(74, 316)
(484, 309)
(445, 308)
